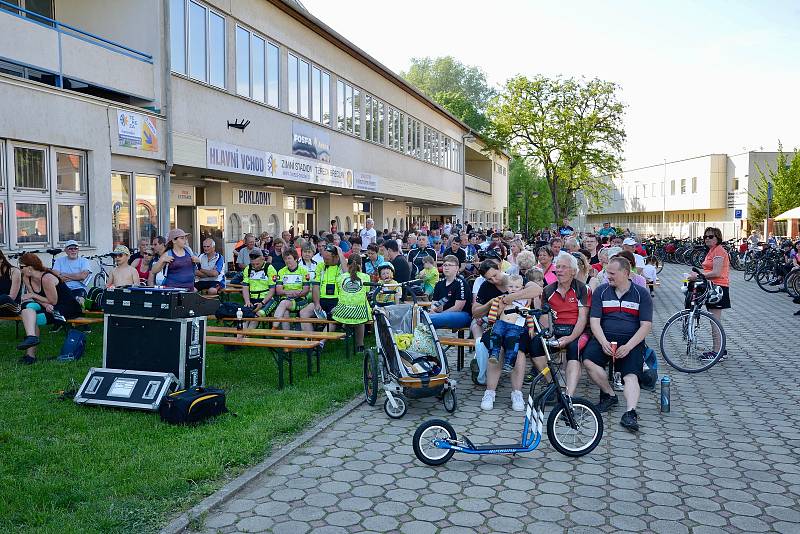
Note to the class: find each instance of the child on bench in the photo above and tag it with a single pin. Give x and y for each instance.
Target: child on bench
(508, 327)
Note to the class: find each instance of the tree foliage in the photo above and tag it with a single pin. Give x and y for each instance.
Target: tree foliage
(461, 89)
(522, 179)
(569, 130)
(785, 178)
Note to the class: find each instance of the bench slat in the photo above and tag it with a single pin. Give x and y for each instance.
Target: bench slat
(267, 332)
(272, 343)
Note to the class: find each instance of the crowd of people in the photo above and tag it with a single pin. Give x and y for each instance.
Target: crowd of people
(600, 286)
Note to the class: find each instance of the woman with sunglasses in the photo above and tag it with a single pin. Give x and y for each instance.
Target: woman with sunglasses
(716, 268)
(47, 300)
(142, 264)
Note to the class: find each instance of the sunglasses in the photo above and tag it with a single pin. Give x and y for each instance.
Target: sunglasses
(709, 236)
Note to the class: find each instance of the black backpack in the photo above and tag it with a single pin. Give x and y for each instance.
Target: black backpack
(192, 405)
(228, 310)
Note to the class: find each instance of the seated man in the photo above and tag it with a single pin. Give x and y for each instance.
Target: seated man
(622, 314)
(73, 270)
(292, 286)
(211, 271)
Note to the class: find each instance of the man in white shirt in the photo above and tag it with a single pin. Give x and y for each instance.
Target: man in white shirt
(368, 234)
(630, 245)
(72, 269)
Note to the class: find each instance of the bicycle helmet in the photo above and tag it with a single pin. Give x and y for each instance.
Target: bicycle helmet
(714, 294)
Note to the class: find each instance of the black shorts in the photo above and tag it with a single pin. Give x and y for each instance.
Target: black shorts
(206, 284)
(630, 364)
(573, 351)
(723, 304)
(327, 306)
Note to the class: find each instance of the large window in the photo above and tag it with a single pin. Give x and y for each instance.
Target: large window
(256, 67)
(121, 209)
(320, 96)
(348, 104)
(146, 206)
(47, 198)
(299, 90)
(197, 42)
(141, 191)
(374, 119)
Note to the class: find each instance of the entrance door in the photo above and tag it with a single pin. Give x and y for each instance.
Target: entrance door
(211, 223)
(185, 219)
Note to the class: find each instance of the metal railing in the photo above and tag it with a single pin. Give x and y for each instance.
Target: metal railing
(66, 29)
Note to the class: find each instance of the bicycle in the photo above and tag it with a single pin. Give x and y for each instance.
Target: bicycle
(100, 279)
(689, 336)
(435, 441)
(53, 252)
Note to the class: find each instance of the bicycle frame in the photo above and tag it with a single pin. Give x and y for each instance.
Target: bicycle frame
(534, 410)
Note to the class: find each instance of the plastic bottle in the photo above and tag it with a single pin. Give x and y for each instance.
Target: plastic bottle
(665, 399)
(239, 315)
(618, 386)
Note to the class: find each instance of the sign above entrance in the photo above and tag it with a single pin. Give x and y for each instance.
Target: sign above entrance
(309, 172)
(367, 182)
(233, 158)
(181, 195)
(253, 197)
(310, 142)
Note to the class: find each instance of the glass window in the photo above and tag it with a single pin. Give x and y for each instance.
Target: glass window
(259, 68)
(121, 209)
(694, 184)
(368, 116)
(32, 223)
(69, 169)
(197, 42)
(29, 167)
(356, 112)
(216, 47)
(177, 35)
(273, 65)
(381, 124)
(340, 101)
(683, 186)
(348, 105)
(391, 130)
(292, 84)
(254, 224)
(235, 226)
(146, 206)
(316, 97)
(326, 99)
(71, 223)
(2, 223)
(242, 62)
(302, 79)
(672, 187)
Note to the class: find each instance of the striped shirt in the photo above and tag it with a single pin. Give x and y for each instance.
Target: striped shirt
(621, 315)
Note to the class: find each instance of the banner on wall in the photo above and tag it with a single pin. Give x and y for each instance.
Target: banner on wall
(309, 172)
(234, 158)
(136, 131)
(310, 142)
(366, 182)
(253, 197)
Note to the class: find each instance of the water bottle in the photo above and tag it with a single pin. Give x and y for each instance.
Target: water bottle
(239, 315)
(665, 400)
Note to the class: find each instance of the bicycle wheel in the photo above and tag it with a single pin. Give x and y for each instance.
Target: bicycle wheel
(687, 341)
(426, 434)
(584, 437)
(792, 284)
(749, 268)
(768, 279)
(371, 376)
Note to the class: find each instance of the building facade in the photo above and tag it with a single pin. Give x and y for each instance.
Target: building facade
(681, 198)
(120, 120)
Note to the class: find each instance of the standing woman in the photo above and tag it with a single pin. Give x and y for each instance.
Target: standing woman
(10, 288)
(353, 308)
(716, 267)
(179, 262)
(48, 300)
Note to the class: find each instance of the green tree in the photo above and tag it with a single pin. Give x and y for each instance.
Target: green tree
(461, 89)
(569, 130)
(785, 178)
(522, 179)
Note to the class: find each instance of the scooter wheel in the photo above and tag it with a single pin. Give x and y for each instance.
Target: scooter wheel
(424, 438)
(395, 412)
(449, 400)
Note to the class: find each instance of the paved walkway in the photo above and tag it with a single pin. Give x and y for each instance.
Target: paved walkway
(724, 460)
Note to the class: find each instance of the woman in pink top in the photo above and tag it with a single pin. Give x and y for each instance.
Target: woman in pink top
(545, 255)
(717, 268)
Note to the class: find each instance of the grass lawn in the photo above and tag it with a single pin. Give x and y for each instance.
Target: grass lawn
(68, 468)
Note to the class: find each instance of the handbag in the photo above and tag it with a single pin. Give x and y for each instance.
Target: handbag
(192, 405)
(73, 347)
(562, 330)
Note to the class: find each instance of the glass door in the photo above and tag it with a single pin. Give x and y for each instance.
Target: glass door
(211, 223)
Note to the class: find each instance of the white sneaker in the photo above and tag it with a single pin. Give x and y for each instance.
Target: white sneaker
(487, 403)
(517, 404)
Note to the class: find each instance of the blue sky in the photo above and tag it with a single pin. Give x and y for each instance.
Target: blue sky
(698, 77)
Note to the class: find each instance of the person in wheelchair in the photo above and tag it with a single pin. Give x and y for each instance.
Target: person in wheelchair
(570, 299)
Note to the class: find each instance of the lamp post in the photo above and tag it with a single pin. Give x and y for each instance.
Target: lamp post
(520, 196)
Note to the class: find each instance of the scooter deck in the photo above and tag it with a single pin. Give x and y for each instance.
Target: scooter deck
(493, 447)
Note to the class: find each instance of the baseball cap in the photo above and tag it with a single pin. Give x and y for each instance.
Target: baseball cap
(629, 241)
(121, 250)
(71, 243)
(174, 233)
(385, 265)
(331, 249)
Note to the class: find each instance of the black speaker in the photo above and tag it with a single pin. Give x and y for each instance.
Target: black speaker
(174, 346)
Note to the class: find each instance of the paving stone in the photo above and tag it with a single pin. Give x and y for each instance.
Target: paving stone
(343, 519)
(254, 524)
(271, 508)
(504, 524)
(380, 523)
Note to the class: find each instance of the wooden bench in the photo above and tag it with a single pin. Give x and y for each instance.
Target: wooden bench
(78, 321)
(282, 350)
(282, 334)
(460, 343)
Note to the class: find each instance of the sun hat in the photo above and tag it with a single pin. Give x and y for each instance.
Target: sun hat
(175, 233)
(121, 250)
(629, 241)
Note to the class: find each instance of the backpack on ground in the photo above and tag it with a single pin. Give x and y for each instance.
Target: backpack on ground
(227, 310)
(94, 299)
(73, 347)
(192, 405)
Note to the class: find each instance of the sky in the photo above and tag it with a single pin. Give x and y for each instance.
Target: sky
(697, 77)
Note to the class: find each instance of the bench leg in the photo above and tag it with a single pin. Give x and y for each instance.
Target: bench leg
(288, 355)
(309, 368)
(318, 350)
(460, 352)
(277, 355)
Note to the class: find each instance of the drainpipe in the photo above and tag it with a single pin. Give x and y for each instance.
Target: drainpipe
(166, 110)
